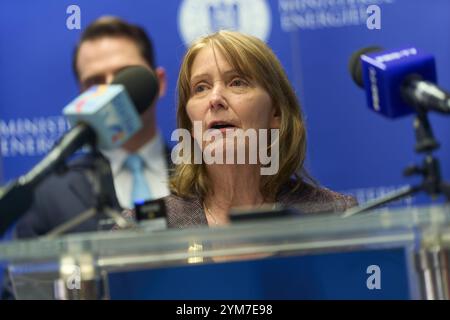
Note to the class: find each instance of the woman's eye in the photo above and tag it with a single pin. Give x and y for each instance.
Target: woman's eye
(199, 88)
(238, 82)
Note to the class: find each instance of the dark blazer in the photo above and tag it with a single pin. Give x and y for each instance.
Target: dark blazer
(60, 198)
(308, 199)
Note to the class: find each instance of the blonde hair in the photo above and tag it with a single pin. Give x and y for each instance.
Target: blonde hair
(252, 58)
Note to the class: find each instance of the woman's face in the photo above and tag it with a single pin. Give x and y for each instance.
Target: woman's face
(225, 100)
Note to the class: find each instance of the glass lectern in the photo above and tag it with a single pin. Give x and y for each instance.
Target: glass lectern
(384, 254)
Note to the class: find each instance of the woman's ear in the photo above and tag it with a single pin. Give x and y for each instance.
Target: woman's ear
(162, 79)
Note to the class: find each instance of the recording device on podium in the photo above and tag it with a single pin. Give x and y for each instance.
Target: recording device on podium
(152, 214)
(104, 116)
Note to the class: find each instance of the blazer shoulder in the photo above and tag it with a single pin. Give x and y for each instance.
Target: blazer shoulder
(311, 199)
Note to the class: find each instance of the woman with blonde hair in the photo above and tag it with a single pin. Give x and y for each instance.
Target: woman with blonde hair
(230, 82)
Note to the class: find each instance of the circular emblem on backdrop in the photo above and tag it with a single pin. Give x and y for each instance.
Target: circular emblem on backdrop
(197, 18)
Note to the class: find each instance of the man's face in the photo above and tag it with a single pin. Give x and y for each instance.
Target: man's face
(99, 60)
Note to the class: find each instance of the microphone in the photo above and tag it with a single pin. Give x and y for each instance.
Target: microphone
(104, 115)
(111, 111)
(398, 82)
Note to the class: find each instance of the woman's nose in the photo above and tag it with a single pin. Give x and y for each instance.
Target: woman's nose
(217, 99)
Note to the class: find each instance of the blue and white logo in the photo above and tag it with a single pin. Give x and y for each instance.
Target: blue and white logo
(197, 18)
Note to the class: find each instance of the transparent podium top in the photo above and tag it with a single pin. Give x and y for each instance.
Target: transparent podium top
(318, 233)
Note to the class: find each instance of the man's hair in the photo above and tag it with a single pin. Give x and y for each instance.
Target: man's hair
(109, 26)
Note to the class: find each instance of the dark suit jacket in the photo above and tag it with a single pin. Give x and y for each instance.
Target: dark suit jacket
(60, 198)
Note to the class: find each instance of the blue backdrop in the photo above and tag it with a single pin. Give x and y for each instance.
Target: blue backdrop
(349, 148)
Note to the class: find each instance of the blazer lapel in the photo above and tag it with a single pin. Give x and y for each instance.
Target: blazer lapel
(82, 183)
(82, 188)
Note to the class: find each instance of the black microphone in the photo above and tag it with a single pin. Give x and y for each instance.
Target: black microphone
(141, 84)
(105, 115)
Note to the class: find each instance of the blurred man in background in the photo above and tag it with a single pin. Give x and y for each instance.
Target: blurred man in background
(139, 168)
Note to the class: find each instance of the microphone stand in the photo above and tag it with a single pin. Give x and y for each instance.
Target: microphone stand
(92, 282)
(432, 183)
(105, 199)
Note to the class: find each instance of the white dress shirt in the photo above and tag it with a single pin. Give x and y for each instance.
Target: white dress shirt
(154, 155)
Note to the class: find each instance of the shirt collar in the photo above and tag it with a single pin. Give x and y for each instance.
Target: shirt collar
(152, 153)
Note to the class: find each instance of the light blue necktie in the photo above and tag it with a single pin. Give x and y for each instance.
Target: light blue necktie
(140, 191)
